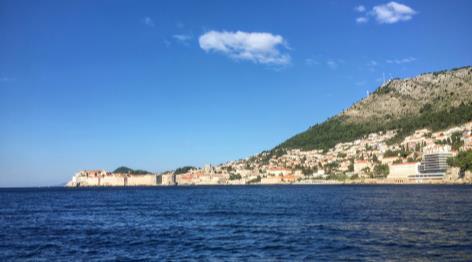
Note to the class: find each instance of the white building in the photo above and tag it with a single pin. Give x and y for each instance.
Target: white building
(167, 179)
(434, 163)
(403, 172)
(359, 165)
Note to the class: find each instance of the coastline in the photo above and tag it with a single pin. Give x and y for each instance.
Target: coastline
(301, 183)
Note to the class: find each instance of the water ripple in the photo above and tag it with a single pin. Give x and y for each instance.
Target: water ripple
(322, 223)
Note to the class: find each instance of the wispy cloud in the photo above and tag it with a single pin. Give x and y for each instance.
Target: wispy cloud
(334, 63)
(259, 48)
(372, 63)
(322, 61)
(183, 38)
(401, 61)
(360, 8)
(148, 21)
(388, 13)
(362, 20)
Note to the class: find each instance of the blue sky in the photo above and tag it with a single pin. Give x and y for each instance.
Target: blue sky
(161, 84)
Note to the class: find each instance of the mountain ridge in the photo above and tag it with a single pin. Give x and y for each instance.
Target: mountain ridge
(431, 100)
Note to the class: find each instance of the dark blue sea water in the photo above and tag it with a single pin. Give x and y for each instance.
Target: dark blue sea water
(238, 223)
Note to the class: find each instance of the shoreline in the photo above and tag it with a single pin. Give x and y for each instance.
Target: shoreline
(318, 183)
(252, 185)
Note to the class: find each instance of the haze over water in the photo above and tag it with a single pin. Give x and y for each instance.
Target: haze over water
(242, 223)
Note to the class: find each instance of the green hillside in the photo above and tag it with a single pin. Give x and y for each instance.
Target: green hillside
(435, 100)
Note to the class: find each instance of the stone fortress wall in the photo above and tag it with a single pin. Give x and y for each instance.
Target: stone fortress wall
(88, 178)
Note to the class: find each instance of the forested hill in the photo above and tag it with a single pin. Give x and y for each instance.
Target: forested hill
(127, 170)
(433, 100)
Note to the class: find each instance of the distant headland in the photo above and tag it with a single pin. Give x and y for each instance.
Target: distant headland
(409, 131)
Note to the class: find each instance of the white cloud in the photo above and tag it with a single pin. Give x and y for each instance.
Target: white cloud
(183, 38)
(360, 8)
(148, 21)
(401, 61)
(388, 13)
(392, 12)
(362, 20)
(262, 48)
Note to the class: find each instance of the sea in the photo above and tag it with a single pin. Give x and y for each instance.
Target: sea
(238, 223)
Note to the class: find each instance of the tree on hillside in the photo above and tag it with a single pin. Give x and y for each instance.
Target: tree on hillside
(463, 160)
(234, 177)
(183, 170)
(381, 170)
(374, 158)
(338, 130)
(456, 141)
(390, 153)
(127, 170)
